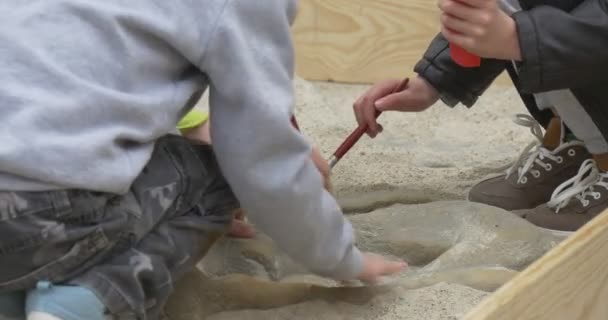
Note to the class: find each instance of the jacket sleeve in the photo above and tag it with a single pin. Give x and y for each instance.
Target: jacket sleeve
(249, 63)
(562, 49)
(454, 83)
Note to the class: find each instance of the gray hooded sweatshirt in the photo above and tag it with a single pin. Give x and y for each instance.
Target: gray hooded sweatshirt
(88, 86)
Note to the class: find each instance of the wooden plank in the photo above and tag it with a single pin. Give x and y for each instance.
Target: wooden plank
(362, 41)
(568, 283)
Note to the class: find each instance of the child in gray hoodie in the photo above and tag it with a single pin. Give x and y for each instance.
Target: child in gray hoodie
(101, 208)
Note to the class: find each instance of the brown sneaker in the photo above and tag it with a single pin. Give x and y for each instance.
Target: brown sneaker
(574, 203)
(543, 166)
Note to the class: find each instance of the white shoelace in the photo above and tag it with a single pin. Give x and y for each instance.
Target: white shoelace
(580, 187)
(535, 152)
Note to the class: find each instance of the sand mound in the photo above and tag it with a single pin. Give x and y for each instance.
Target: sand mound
(439, 302)
(457, 249)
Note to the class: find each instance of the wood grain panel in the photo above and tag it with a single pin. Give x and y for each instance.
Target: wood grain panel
(569, 283)
(362, 41)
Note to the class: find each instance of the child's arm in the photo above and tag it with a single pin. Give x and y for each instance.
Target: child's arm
(249, 63)
(558, 47)
(438, 77)
(563, 49)
(454, 83)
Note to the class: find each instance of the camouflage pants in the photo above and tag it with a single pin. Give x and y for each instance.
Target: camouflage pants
(128, 249)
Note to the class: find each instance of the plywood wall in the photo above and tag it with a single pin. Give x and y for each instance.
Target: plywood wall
(568, 283)
(362, 41)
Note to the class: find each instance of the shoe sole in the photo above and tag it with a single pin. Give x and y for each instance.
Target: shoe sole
(521, 213)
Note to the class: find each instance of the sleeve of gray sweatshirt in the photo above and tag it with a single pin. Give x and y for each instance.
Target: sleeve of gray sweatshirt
(249, 62)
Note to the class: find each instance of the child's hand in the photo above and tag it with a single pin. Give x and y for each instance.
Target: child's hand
(241, 229)
(480, 27)
(322, 166)
(375, 266)
(418, 96)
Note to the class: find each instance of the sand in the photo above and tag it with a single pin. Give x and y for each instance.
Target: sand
(459, 252)
(432, 303)
(420, 157)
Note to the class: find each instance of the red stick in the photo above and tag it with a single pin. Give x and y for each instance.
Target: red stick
(358, 133)
(294, 123)
(463, 57)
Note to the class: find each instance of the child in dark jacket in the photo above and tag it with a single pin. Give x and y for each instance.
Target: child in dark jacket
(555, 52)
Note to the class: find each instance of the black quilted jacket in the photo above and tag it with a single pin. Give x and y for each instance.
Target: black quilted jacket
(564, 45)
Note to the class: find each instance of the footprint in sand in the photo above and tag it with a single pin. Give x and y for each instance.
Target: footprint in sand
(458, 251)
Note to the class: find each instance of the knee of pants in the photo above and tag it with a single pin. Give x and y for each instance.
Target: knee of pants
(12, 306)
(50, 302)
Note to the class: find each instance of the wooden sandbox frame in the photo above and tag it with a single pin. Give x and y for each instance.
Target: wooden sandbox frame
(363, 41)
(570, 282)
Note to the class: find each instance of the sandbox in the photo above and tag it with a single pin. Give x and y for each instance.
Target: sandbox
(405, 194)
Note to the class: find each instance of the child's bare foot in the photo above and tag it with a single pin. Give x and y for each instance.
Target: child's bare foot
(240, 228)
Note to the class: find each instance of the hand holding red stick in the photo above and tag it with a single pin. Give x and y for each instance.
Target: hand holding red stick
(478, 29)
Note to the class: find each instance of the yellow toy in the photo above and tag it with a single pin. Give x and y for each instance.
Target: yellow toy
(192, 119)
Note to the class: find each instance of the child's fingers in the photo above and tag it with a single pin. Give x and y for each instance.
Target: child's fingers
(376, 266)
(475, 3)
(464, 12)
(358, 108)
(460, 26)
(393, 267)
(362, 110)
(369, 117)
(459, 39)
(456, 9)
(320, 162)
